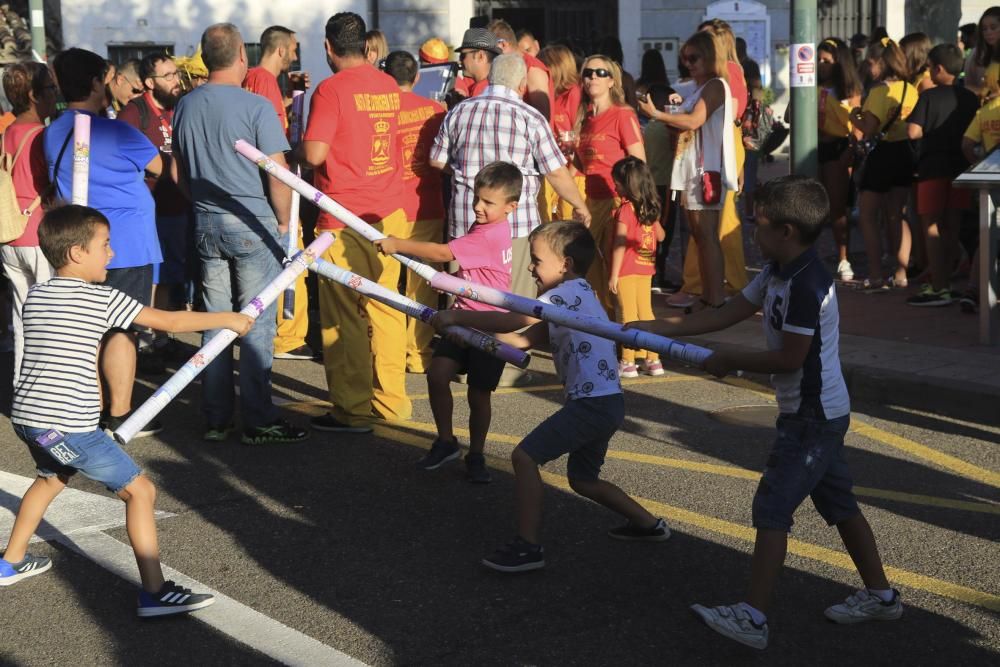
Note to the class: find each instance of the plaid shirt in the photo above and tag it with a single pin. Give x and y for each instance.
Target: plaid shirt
(496, 125)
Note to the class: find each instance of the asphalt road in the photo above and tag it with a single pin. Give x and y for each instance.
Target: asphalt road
(342, 540)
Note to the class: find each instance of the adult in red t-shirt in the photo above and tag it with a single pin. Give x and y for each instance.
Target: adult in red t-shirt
(423, 201)
(609, 132)
(351, 140)
(278, 51)
(565, 112)
(32, 94)
(540, 92)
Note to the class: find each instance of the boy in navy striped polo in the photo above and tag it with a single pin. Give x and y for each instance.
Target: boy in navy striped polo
(802, 327)
(57, 401)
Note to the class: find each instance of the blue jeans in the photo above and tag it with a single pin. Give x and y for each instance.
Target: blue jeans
(806, 460)
(238, 257)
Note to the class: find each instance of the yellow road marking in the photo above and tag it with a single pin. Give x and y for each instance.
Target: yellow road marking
(912, 448)
(665, 379)
(714, 525)
(738, 473)
(928, 454)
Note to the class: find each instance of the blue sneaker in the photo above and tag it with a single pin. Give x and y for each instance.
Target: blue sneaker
(11, 573)
(172, 599)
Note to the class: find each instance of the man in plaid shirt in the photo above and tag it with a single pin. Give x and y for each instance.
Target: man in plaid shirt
(498, 126)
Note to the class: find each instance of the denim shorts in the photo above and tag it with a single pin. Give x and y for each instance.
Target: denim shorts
(93, 453)
(807, 460)
(582, 428)
(134, 281)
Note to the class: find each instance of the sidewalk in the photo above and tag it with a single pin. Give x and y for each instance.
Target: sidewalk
(921, 358)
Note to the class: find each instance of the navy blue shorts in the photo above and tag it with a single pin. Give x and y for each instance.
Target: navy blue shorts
(807, 459)
(582, 428)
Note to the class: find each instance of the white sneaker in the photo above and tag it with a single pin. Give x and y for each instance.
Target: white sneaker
(863, 606)
(733, 622)
(627, 370)
(844, 270)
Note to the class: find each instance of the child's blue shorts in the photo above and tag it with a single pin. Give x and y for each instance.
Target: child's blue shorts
(93, 453)
(582, 429)
(807, 459)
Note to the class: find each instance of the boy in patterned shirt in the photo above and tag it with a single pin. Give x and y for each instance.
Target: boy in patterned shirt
(802, 327)
(57, 401)
(561, 253)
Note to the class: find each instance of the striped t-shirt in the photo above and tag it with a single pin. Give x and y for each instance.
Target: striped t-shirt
(64, 321)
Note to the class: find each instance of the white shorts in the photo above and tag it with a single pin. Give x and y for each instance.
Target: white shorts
(691, 196)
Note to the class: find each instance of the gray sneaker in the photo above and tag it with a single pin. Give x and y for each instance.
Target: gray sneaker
(440, 453)
(863, 606)
(733, 622)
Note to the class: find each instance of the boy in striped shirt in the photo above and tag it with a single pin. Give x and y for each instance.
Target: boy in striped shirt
(57, 399)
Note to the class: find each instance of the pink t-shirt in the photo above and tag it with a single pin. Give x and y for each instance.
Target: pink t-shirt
(484, 257)
(30, 175)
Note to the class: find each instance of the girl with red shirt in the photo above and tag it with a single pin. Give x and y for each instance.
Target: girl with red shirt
(31, 91)
(633, 257)
(565, 109)
(609, 131)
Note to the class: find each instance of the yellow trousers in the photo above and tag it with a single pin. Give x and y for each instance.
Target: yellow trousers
(602, 228)
(730, 237)
(635, 302)
(364, 342)
(553, 207)
(291, 333)
(418, 334)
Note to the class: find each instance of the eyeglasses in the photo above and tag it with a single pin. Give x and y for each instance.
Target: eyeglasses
(600, 73)
(690, 58)
(169, 76)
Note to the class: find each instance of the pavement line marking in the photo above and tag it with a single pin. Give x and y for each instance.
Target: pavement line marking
(747, 534)
(232, 618)
(559, 387)
(742, 473)
(911, 447)
(941, 459)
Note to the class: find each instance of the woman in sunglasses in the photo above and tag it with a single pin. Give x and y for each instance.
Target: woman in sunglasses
(705, 163)
(608, 131)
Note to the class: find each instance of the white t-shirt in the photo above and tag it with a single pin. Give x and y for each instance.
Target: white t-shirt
(586, 364)
(64, 321)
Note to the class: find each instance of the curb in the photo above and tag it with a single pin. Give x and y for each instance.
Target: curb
(961, 399)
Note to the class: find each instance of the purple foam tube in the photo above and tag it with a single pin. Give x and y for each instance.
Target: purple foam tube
(632, 338)
(372, 290)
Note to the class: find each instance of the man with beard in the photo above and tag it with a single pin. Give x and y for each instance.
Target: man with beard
(152, 114)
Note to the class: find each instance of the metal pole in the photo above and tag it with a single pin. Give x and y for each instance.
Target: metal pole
(37, 20)
(803, 79)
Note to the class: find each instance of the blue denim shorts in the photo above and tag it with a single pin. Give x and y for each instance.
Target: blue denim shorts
(807, 459)
(582, 428)
(93, 453)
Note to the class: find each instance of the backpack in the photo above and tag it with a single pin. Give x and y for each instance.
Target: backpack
(13, 219)
(757, 124)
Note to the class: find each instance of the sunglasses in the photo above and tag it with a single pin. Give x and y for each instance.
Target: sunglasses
(600, 73)
(690, 58)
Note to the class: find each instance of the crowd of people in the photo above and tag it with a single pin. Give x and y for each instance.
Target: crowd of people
(550, 173)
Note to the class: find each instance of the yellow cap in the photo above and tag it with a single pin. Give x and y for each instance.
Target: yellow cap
(193, 65)
(434, 51)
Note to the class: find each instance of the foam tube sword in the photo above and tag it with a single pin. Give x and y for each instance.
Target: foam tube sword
(471, 337)
(220, 341)
(556, 314)
(81, 158)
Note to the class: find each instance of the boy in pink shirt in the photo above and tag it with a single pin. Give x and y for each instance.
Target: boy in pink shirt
(484, 257)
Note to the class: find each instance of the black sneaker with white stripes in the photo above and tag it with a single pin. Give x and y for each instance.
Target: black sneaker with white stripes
(172, 599)
(11, 573)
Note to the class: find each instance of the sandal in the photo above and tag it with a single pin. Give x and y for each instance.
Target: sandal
(877, 286)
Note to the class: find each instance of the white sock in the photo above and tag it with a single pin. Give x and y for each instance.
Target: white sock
(756, 615)
(885, 595)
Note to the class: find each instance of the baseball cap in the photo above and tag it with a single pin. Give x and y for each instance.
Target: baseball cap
(480, 38)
